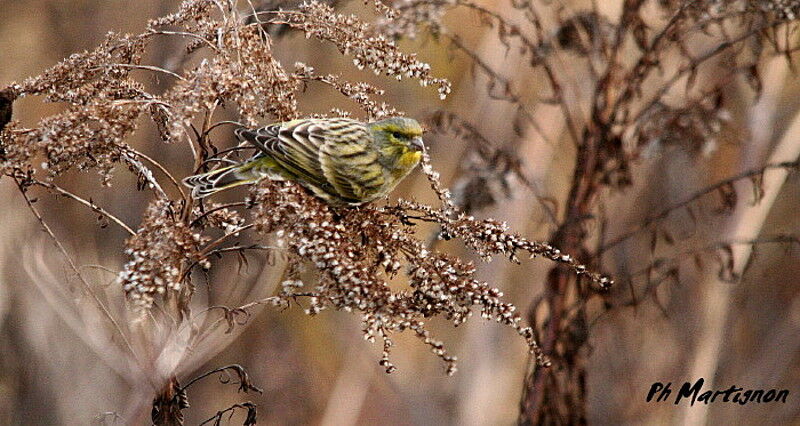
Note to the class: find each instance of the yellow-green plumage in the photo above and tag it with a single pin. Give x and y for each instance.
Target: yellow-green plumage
(342, 161)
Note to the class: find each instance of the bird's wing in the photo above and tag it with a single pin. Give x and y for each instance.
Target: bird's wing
(320, 153)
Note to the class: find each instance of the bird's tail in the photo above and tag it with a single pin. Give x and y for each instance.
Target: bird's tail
(205, 184)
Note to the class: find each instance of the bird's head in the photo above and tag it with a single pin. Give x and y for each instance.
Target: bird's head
(399, 139)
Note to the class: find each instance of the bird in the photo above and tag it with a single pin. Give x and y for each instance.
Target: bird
(343, 161)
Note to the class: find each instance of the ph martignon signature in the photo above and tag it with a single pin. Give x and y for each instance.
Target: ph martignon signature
(660, 392)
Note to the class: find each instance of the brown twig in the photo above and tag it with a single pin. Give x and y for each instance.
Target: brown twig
(87, 203)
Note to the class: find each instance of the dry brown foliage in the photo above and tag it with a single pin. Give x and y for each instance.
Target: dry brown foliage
(653, 81)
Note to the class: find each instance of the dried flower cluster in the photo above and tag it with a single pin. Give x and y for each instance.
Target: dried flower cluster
(359, 39)
(87, 76)
(103, 111)
(218, 216)
(489, 237)
(359, 92)
(99, 128)
(161, 251)
(355, 253)
(242, 69)
(787, 10)
(410, 15)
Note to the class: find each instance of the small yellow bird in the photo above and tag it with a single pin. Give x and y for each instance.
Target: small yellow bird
(345, 162)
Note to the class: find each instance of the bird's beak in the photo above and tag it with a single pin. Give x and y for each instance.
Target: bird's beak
(418, 144)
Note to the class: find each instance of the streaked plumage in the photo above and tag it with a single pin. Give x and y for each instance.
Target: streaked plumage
(342, 161)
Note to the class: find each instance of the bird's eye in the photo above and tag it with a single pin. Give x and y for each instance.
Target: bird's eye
(398, 135)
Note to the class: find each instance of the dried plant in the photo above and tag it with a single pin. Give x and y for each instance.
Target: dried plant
(352, 254)
(651, 83)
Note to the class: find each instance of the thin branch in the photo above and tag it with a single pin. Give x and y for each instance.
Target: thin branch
(160, 167)
(242, 248)
(86, 203)
(184, 34)
(244, 381)
(209, 249)
(146, 67)
(694, 197)
(74, 267)
(220, 123)
(251, 414)
(509, 94)
(146, 173)
(692, 66)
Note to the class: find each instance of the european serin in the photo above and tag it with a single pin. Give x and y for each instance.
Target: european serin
(342, 161)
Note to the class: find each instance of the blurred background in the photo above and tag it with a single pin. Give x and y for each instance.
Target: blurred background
(684, 324)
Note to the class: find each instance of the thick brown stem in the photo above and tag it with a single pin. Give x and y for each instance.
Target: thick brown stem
(7, 97)
(557, 395)
(168, 405)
